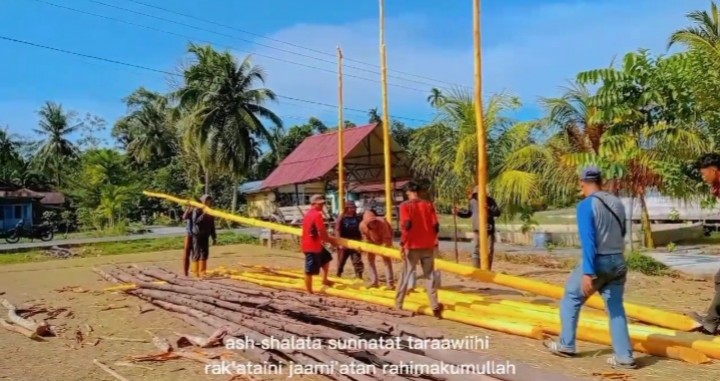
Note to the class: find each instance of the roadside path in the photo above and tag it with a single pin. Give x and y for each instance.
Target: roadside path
(691, 259)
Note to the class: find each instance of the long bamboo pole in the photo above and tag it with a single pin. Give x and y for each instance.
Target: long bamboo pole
(341, 141)
(482, 145)
(385, 119)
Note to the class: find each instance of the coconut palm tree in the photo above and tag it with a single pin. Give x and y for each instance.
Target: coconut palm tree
(148, 130)
(56, 149)
(436, 97)
(226, 109)
(446, 152)
(704, 35)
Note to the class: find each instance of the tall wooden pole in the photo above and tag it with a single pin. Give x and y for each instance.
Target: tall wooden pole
(482, 144)
(385, 119)
(341, 141)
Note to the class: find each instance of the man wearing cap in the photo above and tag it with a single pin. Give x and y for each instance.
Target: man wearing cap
(710, 170)
(203, 228)
(472, 211)
(601, 226)
(348, 226)
(419, 239)
(314, 235)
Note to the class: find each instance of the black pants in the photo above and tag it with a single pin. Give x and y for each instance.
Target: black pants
(712, 320)
(201, 248)
(357, 262)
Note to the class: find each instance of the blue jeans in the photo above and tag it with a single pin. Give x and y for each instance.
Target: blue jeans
(611, 272)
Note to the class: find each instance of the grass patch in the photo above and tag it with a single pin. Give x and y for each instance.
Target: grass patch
(544, 261)
(647, 265)
(124, 247)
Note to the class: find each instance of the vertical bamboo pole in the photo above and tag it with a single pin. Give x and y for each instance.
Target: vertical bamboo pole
(455, 236)
(341, 141)
(385, 119)
(482, 144)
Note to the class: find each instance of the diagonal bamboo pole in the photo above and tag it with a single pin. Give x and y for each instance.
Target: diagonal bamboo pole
(385, 119)
(645, 314)
(482, 145)
(341, 141)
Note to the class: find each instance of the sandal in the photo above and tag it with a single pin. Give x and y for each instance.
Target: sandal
(615, 364)
(555, 348)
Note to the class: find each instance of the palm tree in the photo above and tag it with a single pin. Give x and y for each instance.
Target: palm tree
(9, 155)
(226, 108)
(148, 132)
(56, 149)
(436, 97)
(446, 152)
(704, 35)
(652, 124)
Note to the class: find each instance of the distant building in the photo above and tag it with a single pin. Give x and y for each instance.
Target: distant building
(313, 168)
(20, 204)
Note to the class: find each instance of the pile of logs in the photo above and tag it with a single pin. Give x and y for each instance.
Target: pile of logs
(230, 312)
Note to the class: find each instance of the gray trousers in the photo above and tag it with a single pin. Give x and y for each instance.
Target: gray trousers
(373, 270)
(712, 320)
(426, 258)
(476, 249)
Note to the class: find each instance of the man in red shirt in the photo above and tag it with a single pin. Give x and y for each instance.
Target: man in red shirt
(419, 238)
(710, 170)
(314, 235)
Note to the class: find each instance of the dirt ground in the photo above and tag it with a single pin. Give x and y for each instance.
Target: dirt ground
(37, 284)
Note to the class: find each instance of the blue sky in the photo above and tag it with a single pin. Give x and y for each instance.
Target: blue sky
(530, 49)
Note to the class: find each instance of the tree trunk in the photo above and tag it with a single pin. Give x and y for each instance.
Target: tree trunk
(646, 226)
(207, 181)
(234, 190)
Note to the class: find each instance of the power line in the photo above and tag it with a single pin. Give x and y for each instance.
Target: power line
(221, 45)
(28, 43)
(270, 46)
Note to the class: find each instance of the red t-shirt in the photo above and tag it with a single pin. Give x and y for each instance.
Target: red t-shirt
(419, 224)
(716, 190)
(313, 231)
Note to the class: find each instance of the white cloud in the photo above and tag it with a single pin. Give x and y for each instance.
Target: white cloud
(535, 49)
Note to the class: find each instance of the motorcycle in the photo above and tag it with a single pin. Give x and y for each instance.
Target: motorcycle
(43, 232)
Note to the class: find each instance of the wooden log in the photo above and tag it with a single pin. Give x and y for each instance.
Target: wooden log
(256, 355)
(40, 328)
(21, 330)
(213, 340)
(105, 275)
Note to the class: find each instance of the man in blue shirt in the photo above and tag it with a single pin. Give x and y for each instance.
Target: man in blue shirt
(601, 225)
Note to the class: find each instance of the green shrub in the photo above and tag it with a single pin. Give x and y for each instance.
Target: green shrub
(647, 265)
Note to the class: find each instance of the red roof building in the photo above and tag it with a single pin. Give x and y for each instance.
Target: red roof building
(316, 159)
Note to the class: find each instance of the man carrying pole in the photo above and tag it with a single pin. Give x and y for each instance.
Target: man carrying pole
(493, 211)
(601, 225)
(314, 235)
(710, 171)
(419, 239)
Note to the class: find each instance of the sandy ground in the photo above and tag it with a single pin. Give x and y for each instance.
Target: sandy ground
(37, 284)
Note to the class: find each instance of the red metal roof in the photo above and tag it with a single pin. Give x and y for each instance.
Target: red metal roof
(315, 157)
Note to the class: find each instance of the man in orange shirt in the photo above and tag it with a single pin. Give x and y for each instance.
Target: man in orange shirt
(419, 239)
(379, 232)
(314, 234)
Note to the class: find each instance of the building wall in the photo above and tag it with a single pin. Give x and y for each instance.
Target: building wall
(11, 212)
(260, 204)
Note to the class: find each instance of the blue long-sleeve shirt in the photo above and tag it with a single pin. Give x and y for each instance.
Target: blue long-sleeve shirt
(600, 232)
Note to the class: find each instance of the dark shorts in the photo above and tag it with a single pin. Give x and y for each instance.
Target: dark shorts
(315, 261)
(201, 248)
